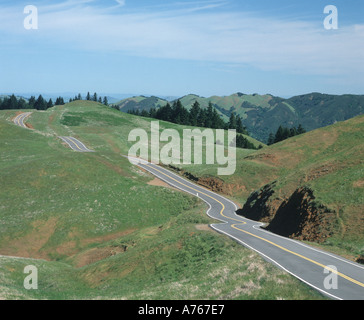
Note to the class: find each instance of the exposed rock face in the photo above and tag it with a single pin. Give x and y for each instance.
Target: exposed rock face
(212, 183)
(299, 216)
(259, 205)
(360, 259)
(302, 218)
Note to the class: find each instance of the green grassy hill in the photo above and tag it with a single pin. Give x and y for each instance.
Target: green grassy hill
(98, 227)
(140, 103)
(309, 187)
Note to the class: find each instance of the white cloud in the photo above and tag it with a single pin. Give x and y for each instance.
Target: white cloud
(204, 35)
(120, 2)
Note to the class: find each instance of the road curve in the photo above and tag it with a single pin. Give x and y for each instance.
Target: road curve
(75, 144)
(19, 119)
(332, 275)
(72, 142)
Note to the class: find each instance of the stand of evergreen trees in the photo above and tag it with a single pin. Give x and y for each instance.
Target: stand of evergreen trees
(198, 117)
(40, 103)
(12, 102)
(284, 133)
(94, 98)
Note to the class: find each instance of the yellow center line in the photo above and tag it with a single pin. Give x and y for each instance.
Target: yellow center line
(301, 256)
(270, 242)
(74, 142)
(17, 119)
(222, 205)
(70, 140)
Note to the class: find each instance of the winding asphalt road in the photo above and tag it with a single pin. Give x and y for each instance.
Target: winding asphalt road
(75, 144)
(19, 119)
(72, 142)
(332, 275)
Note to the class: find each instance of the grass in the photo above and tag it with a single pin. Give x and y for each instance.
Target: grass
(328, 160)
(97, 193)
(179, 262)
(95, 228)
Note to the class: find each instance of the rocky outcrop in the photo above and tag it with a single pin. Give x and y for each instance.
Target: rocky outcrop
(260, 204)
(360, 259)
(300, 216)
(210, 182)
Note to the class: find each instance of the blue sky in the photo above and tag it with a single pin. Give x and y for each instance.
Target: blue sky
(205, 47)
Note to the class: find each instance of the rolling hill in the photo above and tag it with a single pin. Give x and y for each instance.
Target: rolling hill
(140, 103)
(263, 114)
(97, 227)
(309, 187)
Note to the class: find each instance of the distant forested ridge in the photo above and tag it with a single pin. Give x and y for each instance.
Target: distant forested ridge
(263, 114)
(198, 117)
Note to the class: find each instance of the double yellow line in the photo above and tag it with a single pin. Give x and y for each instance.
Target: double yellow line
(303, 257)
(73, 143)
(19, 116)
(263, 239)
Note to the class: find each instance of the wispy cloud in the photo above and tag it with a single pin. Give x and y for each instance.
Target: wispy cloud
(195, 32)
(120, 2)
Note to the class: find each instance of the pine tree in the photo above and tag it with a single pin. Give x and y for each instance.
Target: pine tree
(40, 104)
(105, 101)
(244, 143)
(167, 113)
(177, 112)
(152, 113)
(232, 121)
(292, 132)
(300, 129)
(279, 135)
(271, 139)
(13, 102)
(240, 127)
(31, 102)
(217, 122)
(144, 113)
(201, 119)
(94, 98)
(22, 104)
(194, 112)
(88, 96)
(284, 133)
(50, 104)
(209, 116)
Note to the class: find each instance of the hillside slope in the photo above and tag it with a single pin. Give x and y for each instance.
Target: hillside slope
(97, 227)
(309, 187)
(140, 103)
(321, 184)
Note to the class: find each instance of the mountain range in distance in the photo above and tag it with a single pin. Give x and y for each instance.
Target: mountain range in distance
(113, 98)
(263, 114)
